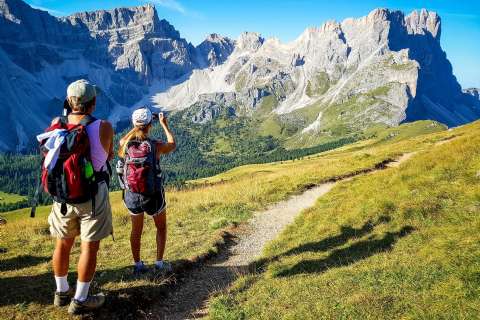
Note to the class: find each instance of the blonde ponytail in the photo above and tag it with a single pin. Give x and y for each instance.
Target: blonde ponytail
(137, 133)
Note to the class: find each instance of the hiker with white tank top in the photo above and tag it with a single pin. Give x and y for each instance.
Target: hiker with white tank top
(70, 217)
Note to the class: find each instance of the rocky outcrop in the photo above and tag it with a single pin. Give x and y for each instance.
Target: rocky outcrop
(472, 97)
(474, 92)
(344, 65)
(124, 51)
(215, 50)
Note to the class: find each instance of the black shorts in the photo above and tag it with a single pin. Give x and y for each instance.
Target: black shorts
(138, 203)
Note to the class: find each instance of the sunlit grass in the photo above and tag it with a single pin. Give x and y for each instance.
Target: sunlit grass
(9, 198)
(398, 244)
(196, 219)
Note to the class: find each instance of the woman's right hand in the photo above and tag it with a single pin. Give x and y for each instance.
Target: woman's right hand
(162, 118)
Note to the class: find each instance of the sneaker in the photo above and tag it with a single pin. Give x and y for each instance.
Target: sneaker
(165, 268)
(139, 270)
(92, 303)
(61, 299)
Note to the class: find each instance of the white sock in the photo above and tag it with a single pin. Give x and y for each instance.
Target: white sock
(81, 293)
(159, 263)
(62, 284)
(138, 264)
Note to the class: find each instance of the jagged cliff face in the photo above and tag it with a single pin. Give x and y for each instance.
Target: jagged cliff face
(384, 68)
(125, 52)
(333, 80)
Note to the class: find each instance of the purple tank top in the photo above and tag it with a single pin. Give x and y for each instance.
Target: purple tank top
(97, 152)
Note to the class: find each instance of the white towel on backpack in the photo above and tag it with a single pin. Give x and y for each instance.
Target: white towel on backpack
(55, 140)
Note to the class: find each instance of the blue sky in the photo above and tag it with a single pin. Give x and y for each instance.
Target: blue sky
(286, 19)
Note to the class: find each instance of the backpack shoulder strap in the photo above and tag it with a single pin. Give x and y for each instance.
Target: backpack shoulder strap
(130, 142)
(88, 119)
(63, 119)
(153, 145)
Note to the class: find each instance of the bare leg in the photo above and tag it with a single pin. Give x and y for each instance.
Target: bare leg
(88, 260)
(136, 236)
(161, 224)
(61, 256)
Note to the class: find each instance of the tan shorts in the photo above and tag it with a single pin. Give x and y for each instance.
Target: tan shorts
(79, 220)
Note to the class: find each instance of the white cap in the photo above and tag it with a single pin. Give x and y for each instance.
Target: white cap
(142, 117)
(83, 90)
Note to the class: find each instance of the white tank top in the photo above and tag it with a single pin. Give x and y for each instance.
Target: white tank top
(97, 152)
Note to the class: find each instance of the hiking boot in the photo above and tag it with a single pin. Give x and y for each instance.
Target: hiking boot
(61, 299)
(139, 270)
(166, 268)
(92, 303)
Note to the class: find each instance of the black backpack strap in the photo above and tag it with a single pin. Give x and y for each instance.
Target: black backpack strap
(158, 170)
(63, 119)
(87, 119)
(63, 208)
(37, 189)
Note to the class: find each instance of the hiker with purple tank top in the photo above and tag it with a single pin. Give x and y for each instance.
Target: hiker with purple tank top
(141, 178)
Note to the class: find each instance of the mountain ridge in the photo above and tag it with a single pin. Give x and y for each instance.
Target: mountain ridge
(137, 58)
(384, 68)
(41, 54)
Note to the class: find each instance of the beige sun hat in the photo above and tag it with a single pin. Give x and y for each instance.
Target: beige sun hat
(82, 90)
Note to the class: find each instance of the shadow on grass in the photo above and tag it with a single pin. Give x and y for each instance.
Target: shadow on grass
(25, 289)
(21, 262)
(346, 233)
(133, 301)
(344, 257)
(121, 304)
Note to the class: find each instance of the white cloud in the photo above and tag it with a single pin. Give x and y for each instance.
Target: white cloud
(171, 4)
(175, 5)
(51, 11)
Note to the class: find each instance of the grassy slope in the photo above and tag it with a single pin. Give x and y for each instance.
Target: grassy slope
(401, 243)
(8, 198)
(195, 220)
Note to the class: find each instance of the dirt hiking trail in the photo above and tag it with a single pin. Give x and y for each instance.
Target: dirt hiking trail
(188, 300)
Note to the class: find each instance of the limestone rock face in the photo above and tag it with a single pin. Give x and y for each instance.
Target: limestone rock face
(472, 97)
(474, 92)
(386, 67)
(216, 49)
(124, 51)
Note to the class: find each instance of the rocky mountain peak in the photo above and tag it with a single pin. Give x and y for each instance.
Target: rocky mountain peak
(9, 8)
(215, 37)
(144, 18)
(423, 22)
(475, 92)
(250, 41)
(330, 25)
(390, 64)
(378, 14)
(215, 49)
(21, 22)
(418, 22)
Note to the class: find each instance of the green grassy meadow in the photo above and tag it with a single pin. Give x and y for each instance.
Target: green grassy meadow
(10, 198)
(365, 250)
(398, 244)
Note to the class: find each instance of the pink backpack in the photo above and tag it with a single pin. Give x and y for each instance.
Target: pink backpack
(141, 171)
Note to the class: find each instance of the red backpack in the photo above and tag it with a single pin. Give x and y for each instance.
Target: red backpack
(72, 178)
(141, 171)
